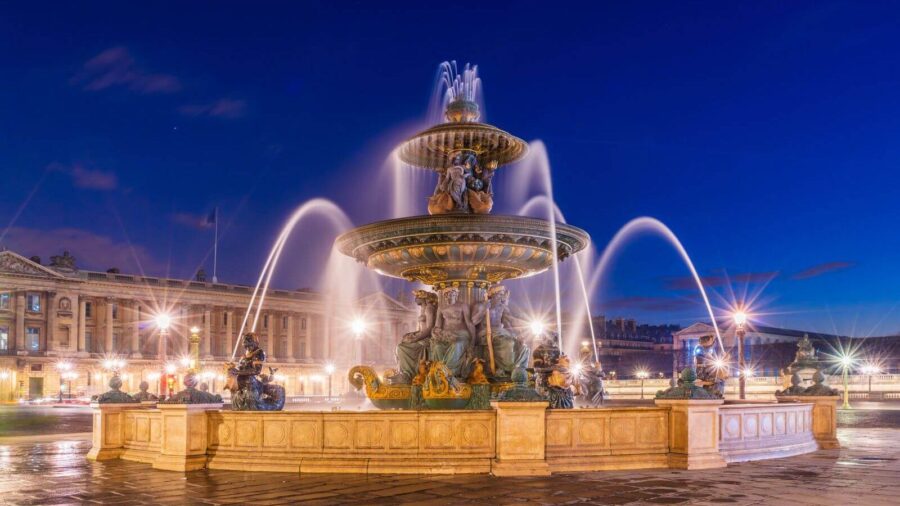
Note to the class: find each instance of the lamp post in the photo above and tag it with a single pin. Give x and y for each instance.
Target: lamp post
(329, 368)
(846, 362)
(740, 319)
(358, 326)
(869, 370)
(163, 321)
(63, 368)
(642, 375)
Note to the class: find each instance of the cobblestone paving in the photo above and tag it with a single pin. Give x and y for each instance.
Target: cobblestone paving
(867, 472)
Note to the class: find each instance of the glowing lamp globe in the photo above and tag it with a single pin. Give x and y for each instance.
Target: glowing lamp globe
(163, 321)
(740, 318)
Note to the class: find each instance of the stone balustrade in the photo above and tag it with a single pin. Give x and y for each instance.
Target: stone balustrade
(765, 431)
(519, 438)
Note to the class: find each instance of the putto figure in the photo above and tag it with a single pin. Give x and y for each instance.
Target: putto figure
(250, 389)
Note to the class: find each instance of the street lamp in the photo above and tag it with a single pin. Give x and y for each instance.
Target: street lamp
(358, 326)
(846, 361)
(329, 368)
(869, 370)
(163, 321)
(63, 368)
(740, 320)
(537, 327)
(642, 374)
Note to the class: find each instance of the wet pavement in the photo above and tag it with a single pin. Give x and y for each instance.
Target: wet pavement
(42, 462)
(24, 420)
(865, 472)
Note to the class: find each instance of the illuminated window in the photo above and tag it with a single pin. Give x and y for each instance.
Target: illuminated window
(33, 303)
(4, 338)
(4, 301)
(33, 338)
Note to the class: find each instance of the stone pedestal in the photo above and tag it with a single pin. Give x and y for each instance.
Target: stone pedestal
(824, 417)
(183, 436)
(693, 433)
(521, 439)
(108, 430)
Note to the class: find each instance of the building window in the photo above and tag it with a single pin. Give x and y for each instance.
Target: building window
(4, 338)
(33, 303)
(4, 301)
(117, 342)
(88, 310)
(88, 338)
(224, 318)
(33, 338)
(303, 323)
(115, 311)
(265, 321)
(284, 322)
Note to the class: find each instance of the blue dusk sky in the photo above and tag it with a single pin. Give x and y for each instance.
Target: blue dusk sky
(766, 135)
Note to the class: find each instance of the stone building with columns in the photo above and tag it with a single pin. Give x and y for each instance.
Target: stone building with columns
(59, 325)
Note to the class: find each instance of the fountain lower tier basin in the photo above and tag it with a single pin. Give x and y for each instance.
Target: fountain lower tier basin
(461, 248)
(510, 438)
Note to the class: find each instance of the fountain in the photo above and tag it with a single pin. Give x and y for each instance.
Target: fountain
(464, 254)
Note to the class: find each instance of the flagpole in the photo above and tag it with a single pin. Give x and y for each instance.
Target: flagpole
(216, 245)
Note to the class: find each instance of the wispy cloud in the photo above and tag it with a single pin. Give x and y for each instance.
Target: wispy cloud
(93, 251)
(818, 270)
(714, 281)
(661, 304)
(225, 108)
(88, 178)
(198, 221)
(116, 67)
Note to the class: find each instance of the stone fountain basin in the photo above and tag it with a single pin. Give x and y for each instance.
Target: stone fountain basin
(449, 248)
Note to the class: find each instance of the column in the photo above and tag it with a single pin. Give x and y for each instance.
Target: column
(206, 338)
(291, 323)
(20, 321)
(108, 327)
(135, 328)
(51, 321)
(307, 334)
(270, 336)
(82, 317)
(229, 332)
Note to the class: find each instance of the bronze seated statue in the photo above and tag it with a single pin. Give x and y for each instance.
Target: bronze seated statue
(250, 389)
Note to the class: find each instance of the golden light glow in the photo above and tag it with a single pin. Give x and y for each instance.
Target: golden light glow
(329, 368)
(358, 326)
(740, 318)
(163, 320)
(195, 330)
(642, 374)
(537, 327)
(171, 368)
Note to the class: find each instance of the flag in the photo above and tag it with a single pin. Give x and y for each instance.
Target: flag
(212, 218)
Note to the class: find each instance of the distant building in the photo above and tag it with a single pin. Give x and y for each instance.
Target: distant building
(59, 313)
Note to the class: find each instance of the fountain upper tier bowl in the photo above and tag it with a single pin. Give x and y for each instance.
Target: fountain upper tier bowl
(434, 148)
(461, 248)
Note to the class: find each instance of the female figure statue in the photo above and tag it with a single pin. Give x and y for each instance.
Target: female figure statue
(412, 349)
(452, 333)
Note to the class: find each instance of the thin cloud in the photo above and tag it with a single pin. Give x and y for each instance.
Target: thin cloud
(88, 178)
(820, 269)
(224, 108)
(715, 281)
(92, 251)
(116, 67)
(197, 221)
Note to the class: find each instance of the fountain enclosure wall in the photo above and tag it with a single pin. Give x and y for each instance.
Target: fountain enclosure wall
(509, 439)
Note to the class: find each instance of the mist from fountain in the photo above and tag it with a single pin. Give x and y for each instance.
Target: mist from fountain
(537, 166)
(317, 206)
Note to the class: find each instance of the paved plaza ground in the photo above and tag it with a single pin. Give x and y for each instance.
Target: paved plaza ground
(51, 469)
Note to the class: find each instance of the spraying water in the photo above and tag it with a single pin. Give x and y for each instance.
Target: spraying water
(642, 224)
(317, 206)
(544, 202)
